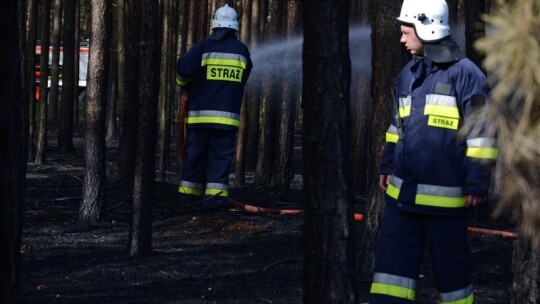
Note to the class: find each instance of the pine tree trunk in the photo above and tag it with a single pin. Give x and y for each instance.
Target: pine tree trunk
(144, 185)
(283, 172)
(326, 140)
(41, 115)
(94, 166)
(526, 271)
(55, 59)
(128, 137)
(70, 80)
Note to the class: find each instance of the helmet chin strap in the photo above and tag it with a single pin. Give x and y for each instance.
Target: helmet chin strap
(443, 51)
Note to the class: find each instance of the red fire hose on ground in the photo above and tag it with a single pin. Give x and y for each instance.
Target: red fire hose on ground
(357, 217)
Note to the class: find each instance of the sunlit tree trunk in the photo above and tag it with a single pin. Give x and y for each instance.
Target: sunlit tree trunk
(41, 115)
(386, 62)
(55, 62)
(94, 141)
(112, 94)
(69, 80)
(325, 94)
(283, 165)
(271, 94)
(144, 185)
(240, 156)
(11, 153)
(167, 77)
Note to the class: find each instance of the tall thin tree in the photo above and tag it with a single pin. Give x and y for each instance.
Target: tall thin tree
(325, 94)
(55, 62)
(94, 140)
(144, 185)
(69, 80)
(41, 115)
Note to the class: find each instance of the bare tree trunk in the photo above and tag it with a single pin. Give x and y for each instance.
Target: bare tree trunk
(112, 94)
(69, 80)
(526, 265)
(55, 62)
(327, 180)
(94, 168)
(11, 154)
(29, 97)
(386, 63)
(120, 46)
(240, 156)
(271, 94)
(41, 140)
(283, 172)
(128, 137)
(144, 185)
(165, 97)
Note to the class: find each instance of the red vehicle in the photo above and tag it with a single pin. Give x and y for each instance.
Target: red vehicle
(83, 66)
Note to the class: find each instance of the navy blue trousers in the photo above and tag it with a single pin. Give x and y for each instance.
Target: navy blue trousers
(403, 238)
(210, 152)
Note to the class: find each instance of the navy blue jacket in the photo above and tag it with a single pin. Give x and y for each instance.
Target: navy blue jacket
(433, 164)
(215, 72)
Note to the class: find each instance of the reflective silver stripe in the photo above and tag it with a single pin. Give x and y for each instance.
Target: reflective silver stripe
(392, 129)
(396, 182)
(395, 280)
(226, 56)
(441, 100)
(441, 105)
(439, 190)
(208, 113)
(456, 295)
(484, 142)
(405, 104)
(191, 185)
(217, 186)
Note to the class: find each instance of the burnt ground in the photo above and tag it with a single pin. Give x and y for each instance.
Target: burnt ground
(199, 255)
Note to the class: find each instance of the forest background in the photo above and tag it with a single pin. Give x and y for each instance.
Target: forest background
(339, 106)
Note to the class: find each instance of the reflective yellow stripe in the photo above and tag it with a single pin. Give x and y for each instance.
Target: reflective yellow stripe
(405, 106)
(394, 291)
(442, 105)
(213, 120)
(181, 82)
(485, 153)
(440, 201)
(224, 62)
(391, 137)
(191, 191)
(439, 110)
(223, 193)
(392, 191)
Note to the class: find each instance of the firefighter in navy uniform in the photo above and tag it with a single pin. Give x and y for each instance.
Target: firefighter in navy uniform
(215, 71)
(430, 171)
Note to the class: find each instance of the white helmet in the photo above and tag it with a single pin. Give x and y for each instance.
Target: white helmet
(225, 16)
(429, 18)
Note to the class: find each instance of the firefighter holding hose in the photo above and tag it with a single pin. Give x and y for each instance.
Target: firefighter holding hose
(214, 71)
(432, 170)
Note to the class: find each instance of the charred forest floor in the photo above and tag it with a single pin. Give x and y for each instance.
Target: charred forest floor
(199, 255)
